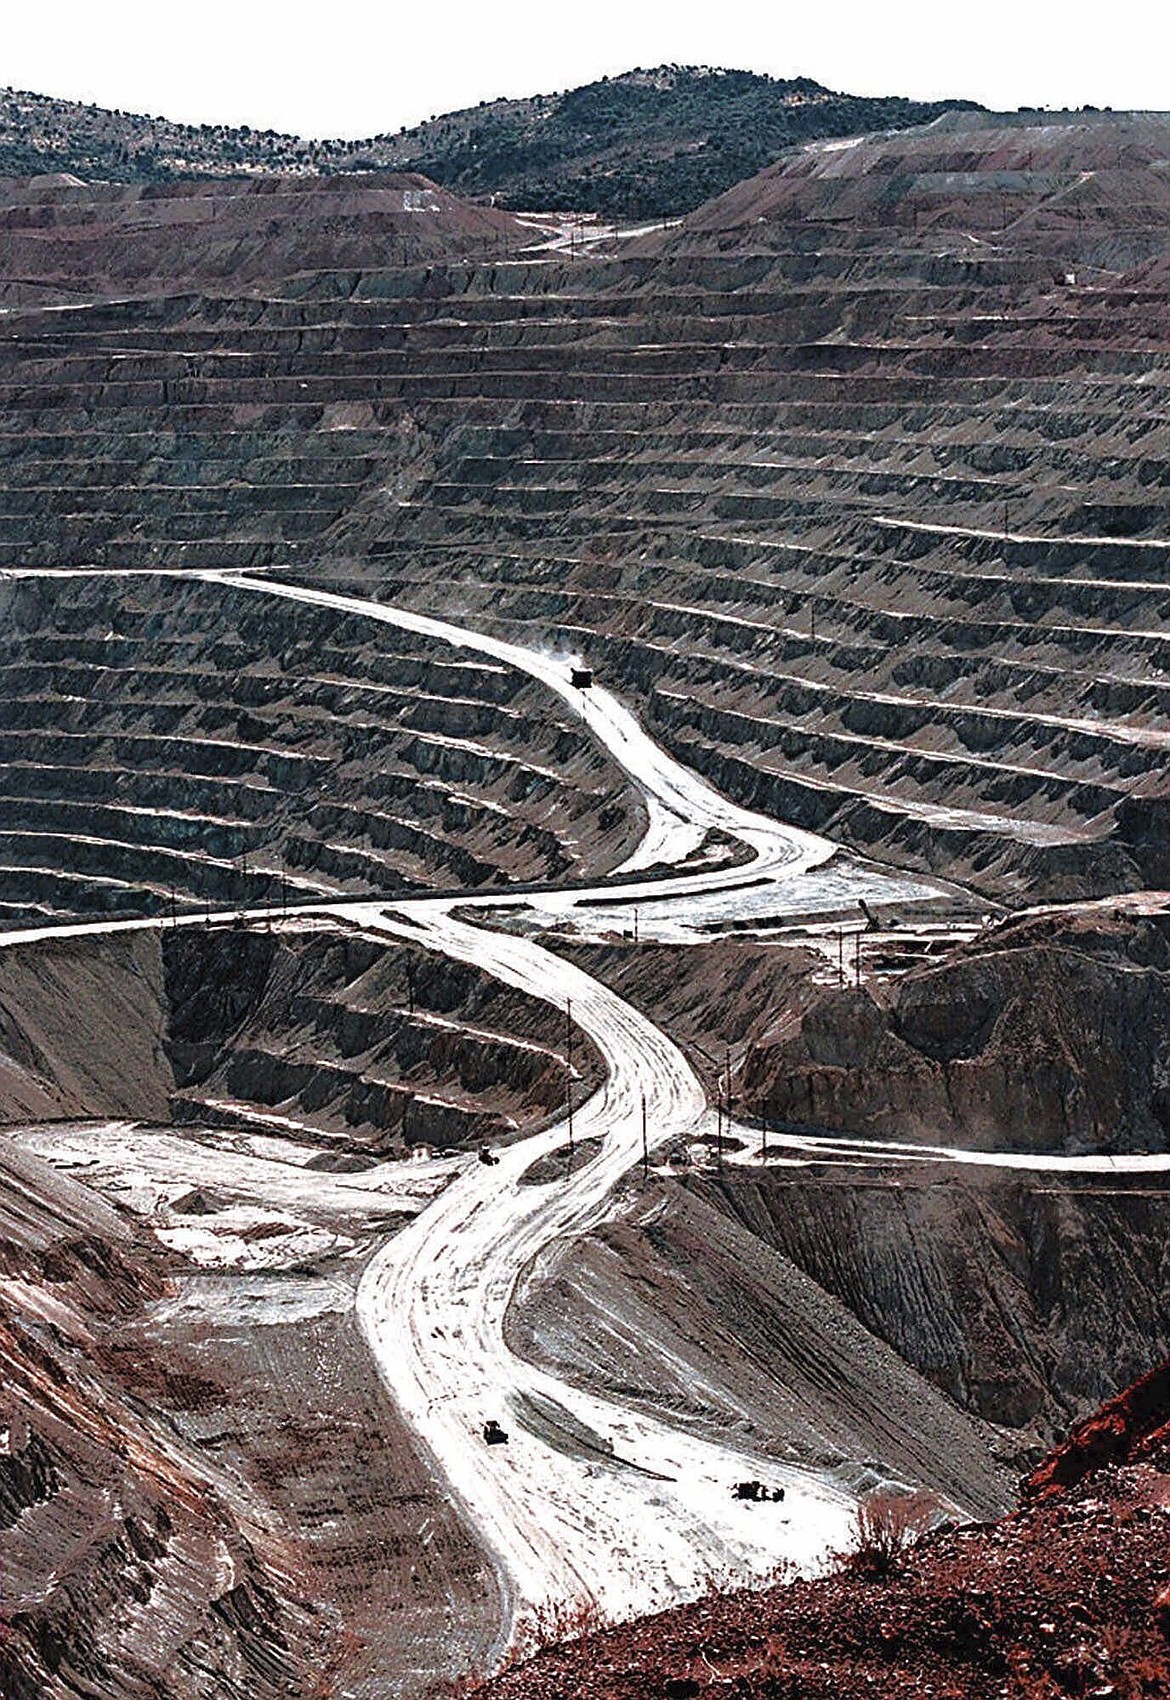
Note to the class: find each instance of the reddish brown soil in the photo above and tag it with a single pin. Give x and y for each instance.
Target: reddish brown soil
(199, 1498)
(1066, 1597)
(1137, 1421)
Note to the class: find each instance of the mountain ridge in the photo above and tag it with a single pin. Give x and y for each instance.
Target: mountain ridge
(646, 144)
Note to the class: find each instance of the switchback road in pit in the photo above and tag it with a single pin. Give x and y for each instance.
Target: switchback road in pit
(591, 1502)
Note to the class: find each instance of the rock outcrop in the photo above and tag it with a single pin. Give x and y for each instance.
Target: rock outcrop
(1049, 1033)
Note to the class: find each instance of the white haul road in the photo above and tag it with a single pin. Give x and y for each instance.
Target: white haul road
(590, 1502)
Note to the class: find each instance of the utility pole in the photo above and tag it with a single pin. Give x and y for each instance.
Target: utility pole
(569, 1071)
(635, 923)
(645, 1146)
(840, 956)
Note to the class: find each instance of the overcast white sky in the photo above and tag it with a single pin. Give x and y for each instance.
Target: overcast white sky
(357, 67)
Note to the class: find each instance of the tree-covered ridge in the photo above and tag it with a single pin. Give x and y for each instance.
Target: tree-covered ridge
(647, 144)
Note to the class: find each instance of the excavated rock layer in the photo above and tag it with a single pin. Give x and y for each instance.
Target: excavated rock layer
(335, 1040)
(1044, 1034)
(65, 240)
(171, 745)
(369, 1047)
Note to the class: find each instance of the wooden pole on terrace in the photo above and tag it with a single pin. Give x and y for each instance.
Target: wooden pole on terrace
(569, 1072)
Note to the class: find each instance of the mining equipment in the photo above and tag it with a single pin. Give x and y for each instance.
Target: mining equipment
(757, 1492)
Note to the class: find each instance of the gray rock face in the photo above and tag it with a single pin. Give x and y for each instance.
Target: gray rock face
(1026, 1299)
(1047, 1035)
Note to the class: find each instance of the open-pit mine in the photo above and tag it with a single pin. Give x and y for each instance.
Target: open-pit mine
(584, 953)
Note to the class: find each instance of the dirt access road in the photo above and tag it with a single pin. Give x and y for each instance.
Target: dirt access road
(590, 1503)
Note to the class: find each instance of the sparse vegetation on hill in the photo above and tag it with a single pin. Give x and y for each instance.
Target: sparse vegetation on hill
(648, 144)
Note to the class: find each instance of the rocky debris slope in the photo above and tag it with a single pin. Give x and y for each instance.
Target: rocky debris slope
(1066, 1597)
(689, 1311)
(131, 1566)
(1137, 1421)
(82, 1028)
(205, 1489)
(1049, 1032)
(1022, 1297)
(1021, 1294)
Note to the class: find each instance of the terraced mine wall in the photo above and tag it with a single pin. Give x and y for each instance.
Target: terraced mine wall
(370, 1049)
(357, 1048)
(173, 745)
(866, 516)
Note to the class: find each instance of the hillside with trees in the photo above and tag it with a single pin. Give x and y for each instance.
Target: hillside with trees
(649, 144)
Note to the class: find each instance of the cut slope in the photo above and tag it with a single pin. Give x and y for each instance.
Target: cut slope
(169, 745)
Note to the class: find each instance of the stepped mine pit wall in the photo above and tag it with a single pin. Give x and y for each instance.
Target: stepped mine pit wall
(844, 482)
(345, 1047)
(172, 746)
(866, 514)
